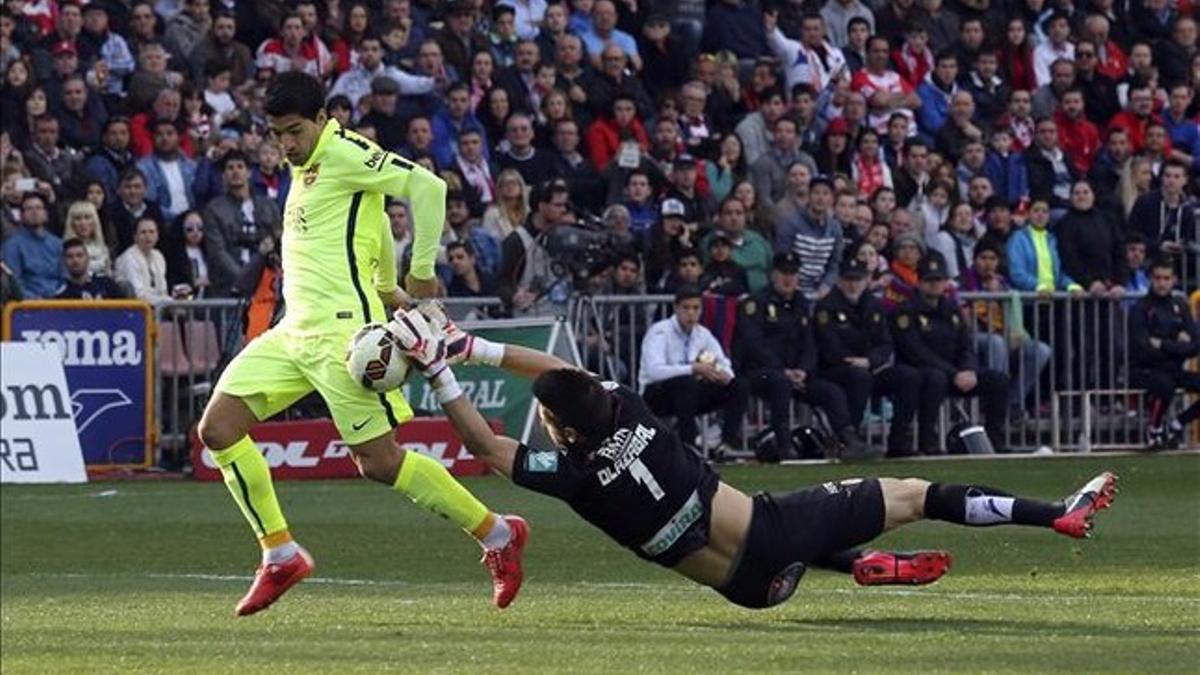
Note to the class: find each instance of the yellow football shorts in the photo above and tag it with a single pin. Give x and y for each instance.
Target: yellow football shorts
(277, 369)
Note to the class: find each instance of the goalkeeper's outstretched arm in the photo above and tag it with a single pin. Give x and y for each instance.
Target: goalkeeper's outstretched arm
(498, 452)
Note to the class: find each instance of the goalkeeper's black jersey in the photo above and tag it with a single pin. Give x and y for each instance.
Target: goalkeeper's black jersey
(642, 487)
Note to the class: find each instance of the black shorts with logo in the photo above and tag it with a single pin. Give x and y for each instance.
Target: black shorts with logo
(790, 530)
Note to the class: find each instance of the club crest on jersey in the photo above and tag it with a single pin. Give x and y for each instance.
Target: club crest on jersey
(310, 174)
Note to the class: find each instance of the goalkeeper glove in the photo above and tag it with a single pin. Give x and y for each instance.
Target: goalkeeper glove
(426, 351)
(461, 346)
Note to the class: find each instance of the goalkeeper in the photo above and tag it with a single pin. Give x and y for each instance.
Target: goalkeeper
(339, 272)
(623, 471)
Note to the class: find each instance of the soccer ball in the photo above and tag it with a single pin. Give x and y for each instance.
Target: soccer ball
(374, 359)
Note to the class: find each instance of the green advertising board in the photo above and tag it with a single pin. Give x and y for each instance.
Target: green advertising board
(497, 394)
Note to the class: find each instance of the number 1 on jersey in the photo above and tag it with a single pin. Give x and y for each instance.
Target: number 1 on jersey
(641, 473)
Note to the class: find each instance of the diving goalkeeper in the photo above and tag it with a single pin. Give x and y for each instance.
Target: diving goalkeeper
(626, 473)
(339, 272)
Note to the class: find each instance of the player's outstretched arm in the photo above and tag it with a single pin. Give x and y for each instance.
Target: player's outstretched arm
(498, 452)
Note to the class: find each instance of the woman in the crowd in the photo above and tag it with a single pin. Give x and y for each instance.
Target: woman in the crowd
(1134, 180)
(83, 223)
(18, 87)
(836, 154)
(345, 47)
(510, 207)
(878, 274)
(482, 68)
(956, 241)
(142, 266)
(555, 106)
(883, 202)
(728, 169)
(184, 251)
(95, 195)
(1016, 57)
(869, 171)
(494, 114)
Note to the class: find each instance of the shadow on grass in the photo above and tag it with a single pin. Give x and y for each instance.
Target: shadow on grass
(910, 626)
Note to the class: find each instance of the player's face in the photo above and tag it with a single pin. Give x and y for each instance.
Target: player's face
(1162, 280)
(561, 436)
(297, 136)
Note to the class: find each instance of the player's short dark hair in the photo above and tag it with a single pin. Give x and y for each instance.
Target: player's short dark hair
(73, 242)
(577, 400)
(687, 292)
(295, 93)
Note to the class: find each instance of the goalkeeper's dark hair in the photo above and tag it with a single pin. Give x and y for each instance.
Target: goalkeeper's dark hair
(295, 93)
(577, 400)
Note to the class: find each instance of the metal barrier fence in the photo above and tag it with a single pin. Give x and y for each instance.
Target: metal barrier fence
(1068, 357)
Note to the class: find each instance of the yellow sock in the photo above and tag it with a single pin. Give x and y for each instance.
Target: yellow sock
(430, 485)
(249, 481)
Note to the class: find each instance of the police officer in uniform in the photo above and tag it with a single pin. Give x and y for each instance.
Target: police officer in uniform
(855, 347)
(777, 352)
(1163, 335)
(932, 336)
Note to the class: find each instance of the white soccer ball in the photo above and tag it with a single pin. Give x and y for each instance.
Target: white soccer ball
(374, 359)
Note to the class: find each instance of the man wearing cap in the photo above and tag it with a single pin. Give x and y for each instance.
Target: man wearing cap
(683, 187)
(722, 275)
(932, 336)
(750, 249)
(357, 82)
(856, 352)
(776, 350)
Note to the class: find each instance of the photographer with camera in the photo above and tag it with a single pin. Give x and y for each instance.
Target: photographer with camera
(234, 224)
(527, 283)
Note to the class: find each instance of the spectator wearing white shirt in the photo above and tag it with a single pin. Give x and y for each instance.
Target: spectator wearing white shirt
(1056, 46)
(685, 373)
(811, 60)
(142, 266)
(355, 83)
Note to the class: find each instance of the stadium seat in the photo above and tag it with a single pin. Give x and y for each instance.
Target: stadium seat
(172, 357)
(203, 346)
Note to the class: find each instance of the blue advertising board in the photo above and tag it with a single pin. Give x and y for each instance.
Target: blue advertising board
(107, 353)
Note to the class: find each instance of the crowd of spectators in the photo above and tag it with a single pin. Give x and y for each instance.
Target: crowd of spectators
(615, 146)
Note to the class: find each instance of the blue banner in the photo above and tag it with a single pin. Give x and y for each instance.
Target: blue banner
(106, 357)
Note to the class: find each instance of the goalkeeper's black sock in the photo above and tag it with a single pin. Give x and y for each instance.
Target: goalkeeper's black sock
(842, 561)
(978, 506)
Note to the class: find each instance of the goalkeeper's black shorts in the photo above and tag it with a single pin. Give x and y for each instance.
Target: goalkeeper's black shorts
(790, 530)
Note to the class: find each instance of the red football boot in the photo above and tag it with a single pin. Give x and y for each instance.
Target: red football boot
(913, 568)
(505, 563)
(273, 580)
(1097, 495)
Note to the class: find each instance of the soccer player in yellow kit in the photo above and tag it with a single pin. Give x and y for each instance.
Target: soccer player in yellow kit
(339, 273)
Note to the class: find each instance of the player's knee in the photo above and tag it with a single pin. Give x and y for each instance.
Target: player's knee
(904, 500)
(213, 434)
(380, 465)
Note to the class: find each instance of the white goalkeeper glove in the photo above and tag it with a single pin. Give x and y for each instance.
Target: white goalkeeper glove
(426, 351)
(461, 346)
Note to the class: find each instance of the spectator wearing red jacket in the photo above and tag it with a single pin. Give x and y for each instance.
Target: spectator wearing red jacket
(605, 135)
(1111, 59)
(1076, 135)
(1136, 116)
(167, 106)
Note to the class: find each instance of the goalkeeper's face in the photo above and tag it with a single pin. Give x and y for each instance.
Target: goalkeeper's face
(563, 436)
(296, 135)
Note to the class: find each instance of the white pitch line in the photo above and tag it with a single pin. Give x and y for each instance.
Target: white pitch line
(682, 588)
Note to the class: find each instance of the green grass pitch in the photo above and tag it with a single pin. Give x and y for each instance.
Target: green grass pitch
(142, 578)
